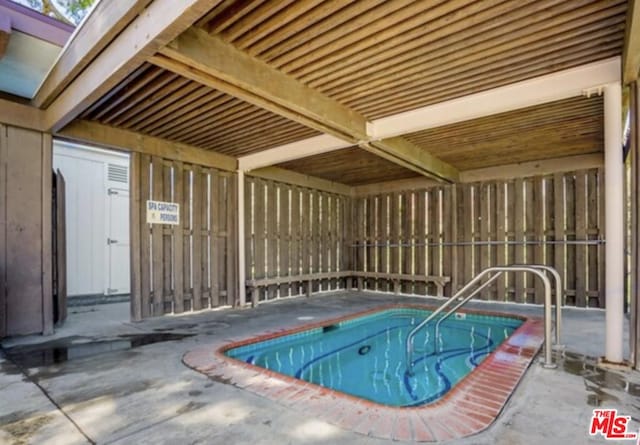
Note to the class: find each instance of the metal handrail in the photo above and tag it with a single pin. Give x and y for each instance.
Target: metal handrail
(548, 363)
(558, 283)
(559, 294)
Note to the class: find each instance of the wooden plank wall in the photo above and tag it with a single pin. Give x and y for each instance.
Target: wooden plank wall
(291, 231)
(26, 295)
(190, 266)
(458, 230)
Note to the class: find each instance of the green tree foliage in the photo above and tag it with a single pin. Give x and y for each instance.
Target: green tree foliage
(70, 11)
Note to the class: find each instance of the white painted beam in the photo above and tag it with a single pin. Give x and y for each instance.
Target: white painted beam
(242, 286)
(543, 89)
(288, 152)
(552, 87)
(614, 224)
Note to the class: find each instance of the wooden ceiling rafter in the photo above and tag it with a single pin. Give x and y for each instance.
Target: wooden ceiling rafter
(381, 108)
(352, 166)
(162, 21)
(375, 59)
(209, 60)
(497, 57)
(469, 40)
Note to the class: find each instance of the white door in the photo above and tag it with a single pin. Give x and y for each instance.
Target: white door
(118, 241)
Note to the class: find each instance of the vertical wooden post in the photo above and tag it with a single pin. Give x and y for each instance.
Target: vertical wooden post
(295, 238)
(592, 229)
(467, 222)
(178, 240)
(323, 240)
(520, 293)
(258, 220)
(501, 236)
(272, 236)
(157, 244)
(485, 251)
(135, 228)
(581, 234)
(539, 229)
(197, 238)
(559, 250)
(420, 238)
(408, 228)
(305, 235)
(370, 239)
(283, 239)
(145, 237)
(47, 265)
(529, 231)
(384, 251)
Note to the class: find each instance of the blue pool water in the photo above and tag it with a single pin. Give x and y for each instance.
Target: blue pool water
(365, 356)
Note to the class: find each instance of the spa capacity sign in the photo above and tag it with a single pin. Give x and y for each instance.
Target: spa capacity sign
(159, 212)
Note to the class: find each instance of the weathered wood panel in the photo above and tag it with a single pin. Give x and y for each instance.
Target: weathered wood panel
(60, 252)
(26, 274)
(189, 266)
(459, 230)
(296, 231)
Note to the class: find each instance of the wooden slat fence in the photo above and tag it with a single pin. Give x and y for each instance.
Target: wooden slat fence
(294, 231)
(458, 230)
(190, 266)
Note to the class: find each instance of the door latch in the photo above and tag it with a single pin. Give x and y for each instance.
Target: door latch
(111, 241)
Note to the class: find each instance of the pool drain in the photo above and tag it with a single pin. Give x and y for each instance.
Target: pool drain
(364, 350)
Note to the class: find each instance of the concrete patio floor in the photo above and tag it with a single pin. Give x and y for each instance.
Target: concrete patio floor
(70, 390)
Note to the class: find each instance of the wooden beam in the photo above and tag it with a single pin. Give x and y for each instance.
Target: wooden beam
(210, 60)
(510, 171)
(20, 115)
(299, 179)
(631, 52)
(394, 186)
(160, 23)
(534, 168)
(409, 155)
(552, 87)
(5, 33)
(104, 135)
(288, 152)
(106, 21)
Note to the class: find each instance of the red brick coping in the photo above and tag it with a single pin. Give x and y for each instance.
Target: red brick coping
(468, 408)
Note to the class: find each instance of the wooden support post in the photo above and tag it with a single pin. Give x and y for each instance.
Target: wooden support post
(135, 228)
(47, 266)
(178, 241)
